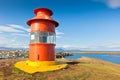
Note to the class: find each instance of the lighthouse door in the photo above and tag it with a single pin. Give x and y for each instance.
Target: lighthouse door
(38, 57)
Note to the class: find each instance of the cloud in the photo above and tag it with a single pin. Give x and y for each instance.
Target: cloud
(114, 4)
(14, 36)
(13, 28)
(19, 27)
(8, 29)
(18, 45)
(3, 40)
(110, 46)
(113, 46)
(19, 34)
(58, 34)
(67, 47)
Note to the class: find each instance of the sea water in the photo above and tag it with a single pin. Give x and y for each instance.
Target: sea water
(114, 58)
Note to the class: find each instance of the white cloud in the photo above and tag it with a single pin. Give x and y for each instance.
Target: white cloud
(67, 47)
(13, 28)
(58, 34)
(110, 46)
(8, 29)
(13, 43)
(14, 36)
(113, 46)
(3, 40)
(111, 3)
(19, 34)
(12, 40)
(18, 45)
(19, 27)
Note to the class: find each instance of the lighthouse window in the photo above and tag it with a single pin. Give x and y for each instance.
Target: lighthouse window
(42, 37)
(47, 37)
(52, 37)
(34, 37)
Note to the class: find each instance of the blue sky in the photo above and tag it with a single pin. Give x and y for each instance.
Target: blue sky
(84, 24)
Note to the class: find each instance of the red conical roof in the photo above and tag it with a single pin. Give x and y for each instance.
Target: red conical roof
(42, 14)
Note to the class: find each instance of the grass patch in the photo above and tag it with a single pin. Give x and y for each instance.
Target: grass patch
(87, 69)
(1, 74)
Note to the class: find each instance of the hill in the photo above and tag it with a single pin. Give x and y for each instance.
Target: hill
(80, 69)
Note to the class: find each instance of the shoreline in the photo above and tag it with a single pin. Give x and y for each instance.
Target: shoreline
(93, 52)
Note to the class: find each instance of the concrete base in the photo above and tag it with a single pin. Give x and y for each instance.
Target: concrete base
(39, 66)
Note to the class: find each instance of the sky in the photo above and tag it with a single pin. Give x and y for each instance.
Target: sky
(84, 24)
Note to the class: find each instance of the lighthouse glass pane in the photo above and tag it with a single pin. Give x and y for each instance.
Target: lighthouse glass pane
(34, 37)
(52, 37)
(43, 37)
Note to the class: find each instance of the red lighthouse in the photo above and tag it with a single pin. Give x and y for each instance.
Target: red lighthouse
(42, 38)
(42, 44)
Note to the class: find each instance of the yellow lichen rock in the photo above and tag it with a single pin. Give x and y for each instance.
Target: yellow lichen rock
(39, 66)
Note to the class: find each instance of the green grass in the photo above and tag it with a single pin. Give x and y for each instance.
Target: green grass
(1, 74)
(87, 69)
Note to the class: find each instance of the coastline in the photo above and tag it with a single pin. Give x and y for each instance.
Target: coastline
(95, 52)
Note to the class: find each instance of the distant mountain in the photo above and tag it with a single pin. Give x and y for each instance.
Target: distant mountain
(74, 50)
(56, 49)
(8, 48)
(67, 50)
(59, 50)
